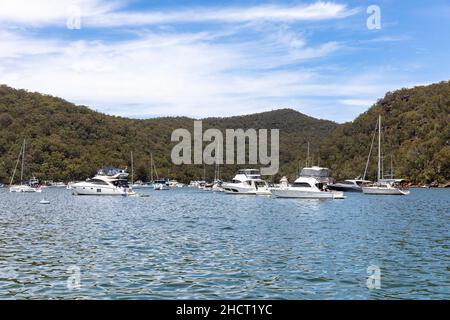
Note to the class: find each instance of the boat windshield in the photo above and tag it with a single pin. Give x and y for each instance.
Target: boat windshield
(249, 172)
(310, 172)
(109, 171)
(301, 185)
(98, 182)
(346, 182)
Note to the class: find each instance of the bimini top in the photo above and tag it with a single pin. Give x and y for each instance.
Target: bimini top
(113, 172)
(315, 172)
(249, 172)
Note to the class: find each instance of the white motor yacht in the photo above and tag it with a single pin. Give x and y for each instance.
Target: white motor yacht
(322, 175)
(349, 185)
(306, 188)
(173, 183)
(217, 186)
(247, 181)
(107, 182)
(161, 184)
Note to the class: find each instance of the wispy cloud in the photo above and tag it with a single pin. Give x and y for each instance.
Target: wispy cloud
(102, 13)
(41, 13)
(205, 61)
(312, 12)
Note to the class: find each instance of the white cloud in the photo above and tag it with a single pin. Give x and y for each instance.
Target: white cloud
(311, 12)
(184, 74)
(211, 72)
(50, 12)
(102, 13)
(358, 102)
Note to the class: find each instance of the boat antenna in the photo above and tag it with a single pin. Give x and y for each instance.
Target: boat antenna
(370, 151)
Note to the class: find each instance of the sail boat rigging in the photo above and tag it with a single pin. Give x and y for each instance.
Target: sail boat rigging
(384, 186)
(21, 187)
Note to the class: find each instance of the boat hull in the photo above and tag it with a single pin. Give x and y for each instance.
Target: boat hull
(81, 190)
(302, 194)
(160, 186)
(24, 189)
(231, 188)
(344, 188)
(384, 191)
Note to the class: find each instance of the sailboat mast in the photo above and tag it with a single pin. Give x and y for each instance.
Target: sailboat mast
(379, 147)
(15, 168)
(23, 158)
(132, 168)
(151, 167)
(307, 156)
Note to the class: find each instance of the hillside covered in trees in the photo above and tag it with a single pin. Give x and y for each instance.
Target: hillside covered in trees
(416, 137)
(69, 142)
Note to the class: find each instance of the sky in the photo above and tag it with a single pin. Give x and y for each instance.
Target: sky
(328, 59)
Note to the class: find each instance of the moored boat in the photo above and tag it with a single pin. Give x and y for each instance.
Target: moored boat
(161, 184)
(306, 188)
(384, 186)
(32, 185)
(247, 181)
(107, 182)
(349, 185)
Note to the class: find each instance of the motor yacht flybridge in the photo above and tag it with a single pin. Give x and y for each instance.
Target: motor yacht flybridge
(247, 181)
(311, 184)
(107, 182)
(384, 186)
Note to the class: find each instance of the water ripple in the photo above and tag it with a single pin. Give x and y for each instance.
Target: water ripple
(187, 244)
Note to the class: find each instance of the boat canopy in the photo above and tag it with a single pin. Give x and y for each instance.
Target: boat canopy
(315, 172)
(249, 171)
(110, 171)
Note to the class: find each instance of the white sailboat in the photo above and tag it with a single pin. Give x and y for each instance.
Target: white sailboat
(384, 186)
(22, 187)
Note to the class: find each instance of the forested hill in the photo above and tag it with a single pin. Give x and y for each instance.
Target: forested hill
(69, 142)
(416, 137)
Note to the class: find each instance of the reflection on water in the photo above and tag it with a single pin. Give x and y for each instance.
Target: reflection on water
(189, 244)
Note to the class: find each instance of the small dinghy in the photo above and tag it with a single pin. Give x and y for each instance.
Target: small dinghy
(44, 201)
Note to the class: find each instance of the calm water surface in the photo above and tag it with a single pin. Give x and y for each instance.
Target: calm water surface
(190, 244)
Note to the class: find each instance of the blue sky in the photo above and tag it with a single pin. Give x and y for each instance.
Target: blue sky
(209, 58)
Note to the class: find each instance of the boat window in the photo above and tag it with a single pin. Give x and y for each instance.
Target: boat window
(236, 181)
(121, 183)
(308, 172)
(301, 185)
(98, 181)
